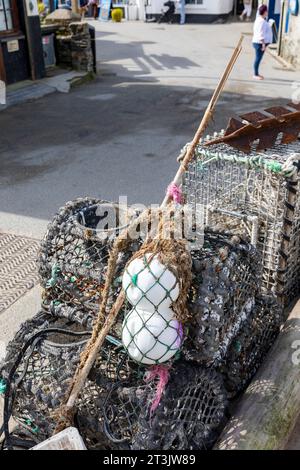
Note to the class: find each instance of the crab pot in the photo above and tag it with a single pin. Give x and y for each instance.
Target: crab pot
(255, 194)
(74, 253)
(222, 297)
(43, 376)
(189, 415)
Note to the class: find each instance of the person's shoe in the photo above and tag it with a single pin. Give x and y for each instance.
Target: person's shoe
(241, 18)
(258, 77)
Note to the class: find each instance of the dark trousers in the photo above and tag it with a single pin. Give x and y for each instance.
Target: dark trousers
(259, 53)
(95, 10)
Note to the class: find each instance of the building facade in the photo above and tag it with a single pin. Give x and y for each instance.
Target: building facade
(290, 40)
(21, 50)
(197, 11)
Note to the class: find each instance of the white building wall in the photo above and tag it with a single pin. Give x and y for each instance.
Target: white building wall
(203, 7)
(291, 42)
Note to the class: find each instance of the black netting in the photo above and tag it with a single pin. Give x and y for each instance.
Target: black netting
(188, 416)
(250, 345)
(74, 254)
(226, 280)
(47, 366)
(113, 410)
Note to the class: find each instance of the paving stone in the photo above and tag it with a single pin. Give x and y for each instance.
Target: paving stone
(18, 272)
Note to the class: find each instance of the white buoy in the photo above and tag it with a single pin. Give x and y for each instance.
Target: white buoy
(151, 334)
(151, 338)
(150, 286)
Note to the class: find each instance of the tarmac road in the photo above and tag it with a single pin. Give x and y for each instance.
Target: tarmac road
(121, 134)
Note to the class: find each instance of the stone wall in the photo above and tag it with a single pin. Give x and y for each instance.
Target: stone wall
(81, 47)
(74, 48)
(291, 42)
(73, 41)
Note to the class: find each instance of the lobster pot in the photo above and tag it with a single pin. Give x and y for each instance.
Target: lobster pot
(257, 195)
(73, 256)
(43, 376)
(189, 415)
(222, 297)
(248, 349)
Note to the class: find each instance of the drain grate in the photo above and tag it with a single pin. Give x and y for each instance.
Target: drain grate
(18, 272)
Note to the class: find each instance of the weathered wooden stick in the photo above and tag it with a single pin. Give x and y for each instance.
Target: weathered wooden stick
(94, 348)
(84, 372)
(268, 410)
(206, 118)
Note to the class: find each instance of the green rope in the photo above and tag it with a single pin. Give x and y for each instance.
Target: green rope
(2, 387)
(31, 424)
(54, 276)
(256, 162)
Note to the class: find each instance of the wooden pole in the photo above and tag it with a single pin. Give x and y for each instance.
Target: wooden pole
(83, 372)
(270, 406)
(206, 118)
(281, 27)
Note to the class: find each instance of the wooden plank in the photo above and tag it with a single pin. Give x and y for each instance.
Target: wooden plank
(2, 66)
(267, 412)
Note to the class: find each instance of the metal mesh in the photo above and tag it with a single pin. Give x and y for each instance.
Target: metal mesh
(238, 192)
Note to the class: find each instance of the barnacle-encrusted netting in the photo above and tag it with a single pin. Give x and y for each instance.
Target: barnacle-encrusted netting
(250, 346)
(256, 195)
(223, 295)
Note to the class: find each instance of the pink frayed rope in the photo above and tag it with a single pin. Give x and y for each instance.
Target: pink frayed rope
(174, 192)
(163, 374)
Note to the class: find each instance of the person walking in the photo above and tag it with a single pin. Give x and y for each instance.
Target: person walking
(247, 12)
(262, 37)
(182, 11)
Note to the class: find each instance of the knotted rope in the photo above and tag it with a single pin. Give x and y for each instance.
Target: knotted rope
(287, 169)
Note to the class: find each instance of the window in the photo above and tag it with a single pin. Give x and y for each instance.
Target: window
(194, 2)
(8, 16)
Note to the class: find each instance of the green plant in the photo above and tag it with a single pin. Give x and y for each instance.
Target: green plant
(117, 15)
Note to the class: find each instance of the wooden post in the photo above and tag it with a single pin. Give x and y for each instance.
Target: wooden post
(268, 410)
(281, 27)
(34, 39)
